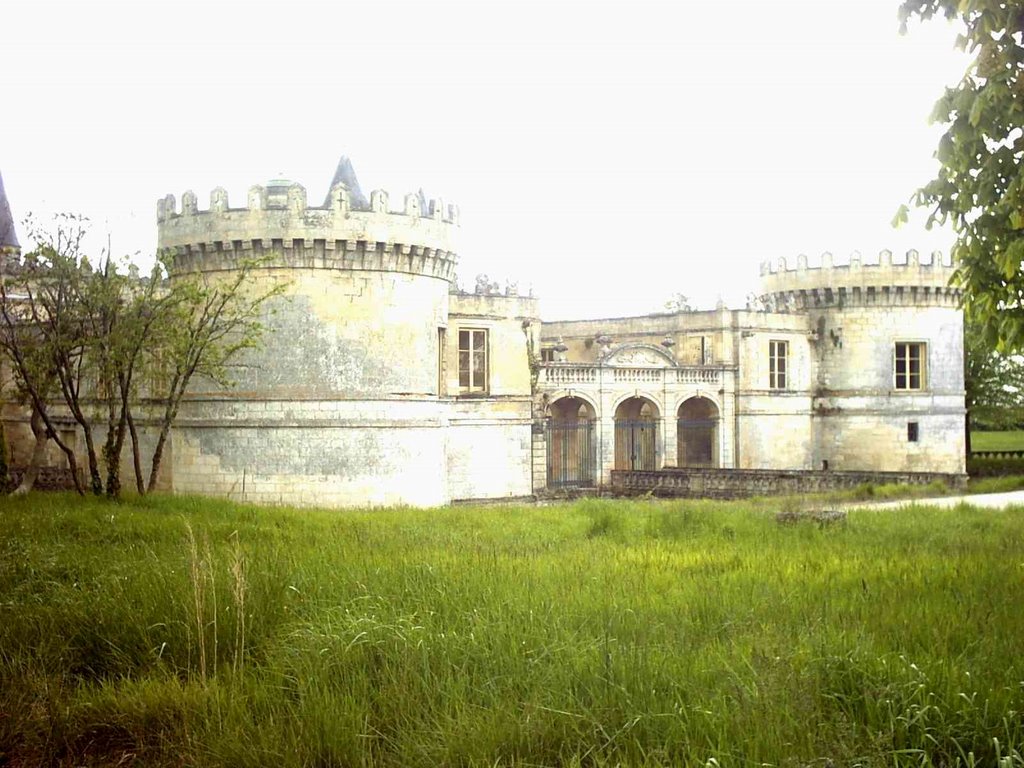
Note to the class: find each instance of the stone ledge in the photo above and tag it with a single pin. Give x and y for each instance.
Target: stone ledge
(228, 423)
(743, 483)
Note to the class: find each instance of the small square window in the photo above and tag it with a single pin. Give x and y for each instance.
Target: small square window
(547, 355)
(778, 364)
(913, 432)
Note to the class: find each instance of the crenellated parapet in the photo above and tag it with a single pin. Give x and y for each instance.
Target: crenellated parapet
(911, 278)
(280, 226)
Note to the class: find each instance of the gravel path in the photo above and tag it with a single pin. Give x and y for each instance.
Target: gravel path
(988, 500)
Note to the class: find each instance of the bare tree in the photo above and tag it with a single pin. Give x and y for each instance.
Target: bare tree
(212, 322)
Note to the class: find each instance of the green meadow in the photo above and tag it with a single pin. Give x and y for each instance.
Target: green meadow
(1009, 440)
(191, 632)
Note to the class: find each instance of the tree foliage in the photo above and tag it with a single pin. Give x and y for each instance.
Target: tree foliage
(43, 337)
(979, 188)
(678, 303)
(80, 340)
(994, 383)
(212, 321)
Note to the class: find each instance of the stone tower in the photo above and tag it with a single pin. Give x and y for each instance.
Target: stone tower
(887, 359)
(342, 404)
(8, 236)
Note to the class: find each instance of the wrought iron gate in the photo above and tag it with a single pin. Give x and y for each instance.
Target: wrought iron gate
(636, 444)
(696, 447)
(571, 453)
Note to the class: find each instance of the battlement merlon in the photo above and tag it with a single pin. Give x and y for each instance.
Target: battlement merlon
(932, 270)
(262, 219)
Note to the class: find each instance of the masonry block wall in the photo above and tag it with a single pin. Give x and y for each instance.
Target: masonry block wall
(773, 410)
(490, 441)
(840, 366)
(378, 383)
(886, 340)
(362, 391)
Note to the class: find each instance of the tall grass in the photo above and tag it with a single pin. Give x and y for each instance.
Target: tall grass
(187, 631)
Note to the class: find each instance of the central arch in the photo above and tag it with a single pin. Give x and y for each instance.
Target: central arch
(697, 432)
(570, 443)
(636, 434)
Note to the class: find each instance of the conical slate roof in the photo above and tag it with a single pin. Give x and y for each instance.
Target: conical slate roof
(8, 237)
(346, 175)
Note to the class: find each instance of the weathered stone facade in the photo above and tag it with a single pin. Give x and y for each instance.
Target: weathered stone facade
(848, 366)
(355, 397)
(379, 383)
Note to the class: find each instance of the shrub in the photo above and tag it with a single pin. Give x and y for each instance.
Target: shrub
(989, 466)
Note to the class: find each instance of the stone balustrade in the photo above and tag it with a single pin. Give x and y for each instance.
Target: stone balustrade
(563, 374)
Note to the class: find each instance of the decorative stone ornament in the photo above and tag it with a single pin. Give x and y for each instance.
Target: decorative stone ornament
(560, 350)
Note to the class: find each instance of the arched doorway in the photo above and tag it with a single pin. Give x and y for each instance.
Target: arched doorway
(570, 443)
(636, 434)
(698, 433)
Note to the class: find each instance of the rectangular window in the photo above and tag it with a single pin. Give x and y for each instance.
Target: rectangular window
(473, 360)
(442, 369)
(913, 432)
(909, 365)
(547, 355)
(778, 364)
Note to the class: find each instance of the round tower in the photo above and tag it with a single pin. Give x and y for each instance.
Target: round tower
(341, 404)
(887, 359)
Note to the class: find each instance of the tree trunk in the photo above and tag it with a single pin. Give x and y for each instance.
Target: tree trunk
(176, 391)
(967, 433)
(6, 484)
(28, 480)
(69, 454)
(158, 454)
(111, 454)
(136, 457)
(94, 466)
(115, 451)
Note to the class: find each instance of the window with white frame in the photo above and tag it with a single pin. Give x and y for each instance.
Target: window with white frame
(472, 360)
(910, 365)
(778, 364)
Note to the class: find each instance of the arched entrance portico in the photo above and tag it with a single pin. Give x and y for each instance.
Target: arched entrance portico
(636, 434)
(572, 456)
(698, 433)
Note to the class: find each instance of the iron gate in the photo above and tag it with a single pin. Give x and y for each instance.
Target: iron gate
(571, 454)
(636, 444)
(696, 447)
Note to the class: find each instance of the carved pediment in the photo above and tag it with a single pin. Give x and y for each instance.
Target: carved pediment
(640, 355)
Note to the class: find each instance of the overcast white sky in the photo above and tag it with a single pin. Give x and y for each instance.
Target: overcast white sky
(610, 154)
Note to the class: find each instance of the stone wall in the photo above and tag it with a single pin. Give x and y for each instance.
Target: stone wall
(343, 403)
(48, 479)
(742, 483)
(490, 450)
(773, 424)
(856, 313)
(490, 442)
(862, 420)
(314, 452)
(685, 329)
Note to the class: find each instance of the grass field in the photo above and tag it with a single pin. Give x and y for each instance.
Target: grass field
(1012, 440)
(196, 632)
